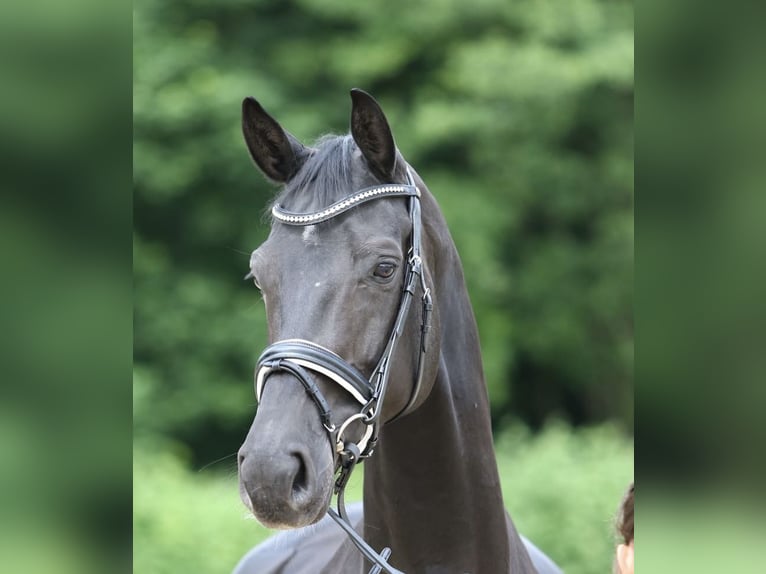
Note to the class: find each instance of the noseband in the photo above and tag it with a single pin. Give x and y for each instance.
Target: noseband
(300, 358)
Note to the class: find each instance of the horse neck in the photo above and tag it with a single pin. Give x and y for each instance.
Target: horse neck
(432, 491)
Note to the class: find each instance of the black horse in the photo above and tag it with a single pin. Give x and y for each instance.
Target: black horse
(371, 326)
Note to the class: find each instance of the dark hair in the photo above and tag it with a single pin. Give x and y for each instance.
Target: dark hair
(327, 171)
(625, 516)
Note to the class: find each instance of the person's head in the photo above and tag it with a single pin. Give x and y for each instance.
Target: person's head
(625, 549)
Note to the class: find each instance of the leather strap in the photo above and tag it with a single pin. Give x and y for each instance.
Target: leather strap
(315, 358)
(325, 414)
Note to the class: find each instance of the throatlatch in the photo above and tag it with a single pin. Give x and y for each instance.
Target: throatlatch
(300, 357)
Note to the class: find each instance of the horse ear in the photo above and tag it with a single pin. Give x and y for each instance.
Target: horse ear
(278, 154)
(372, 134)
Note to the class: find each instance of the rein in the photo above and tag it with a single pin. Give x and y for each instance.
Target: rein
(300, 357)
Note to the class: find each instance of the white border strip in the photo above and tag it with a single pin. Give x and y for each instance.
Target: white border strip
(263, 371)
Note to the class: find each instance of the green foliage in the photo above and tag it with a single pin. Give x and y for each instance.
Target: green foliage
(185, 521)
(517, 115)
(561, 487)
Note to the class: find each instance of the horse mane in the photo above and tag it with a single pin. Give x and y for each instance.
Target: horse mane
(327, 172)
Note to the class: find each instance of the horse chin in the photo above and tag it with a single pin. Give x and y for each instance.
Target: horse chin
(279, 516)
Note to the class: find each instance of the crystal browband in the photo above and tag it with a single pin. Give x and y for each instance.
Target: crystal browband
(292, 218)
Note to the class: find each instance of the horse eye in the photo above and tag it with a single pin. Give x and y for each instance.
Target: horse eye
(384, 270)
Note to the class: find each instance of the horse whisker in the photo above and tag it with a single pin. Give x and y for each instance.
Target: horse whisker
(217, 461)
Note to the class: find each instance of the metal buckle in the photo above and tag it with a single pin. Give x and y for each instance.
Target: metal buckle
(339, 444)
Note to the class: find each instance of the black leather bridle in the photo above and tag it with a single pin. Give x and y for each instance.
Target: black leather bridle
(300, 357)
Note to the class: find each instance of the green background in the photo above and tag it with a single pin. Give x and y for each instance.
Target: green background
(519, 117)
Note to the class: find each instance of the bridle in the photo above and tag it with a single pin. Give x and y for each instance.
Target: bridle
(300, 357)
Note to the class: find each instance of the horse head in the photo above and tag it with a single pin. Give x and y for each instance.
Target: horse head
(334, 273)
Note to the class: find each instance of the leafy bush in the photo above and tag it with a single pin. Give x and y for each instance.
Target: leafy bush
(563, 487)
(519, 116)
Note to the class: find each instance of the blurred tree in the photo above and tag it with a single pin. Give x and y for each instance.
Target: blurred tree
(518, 115)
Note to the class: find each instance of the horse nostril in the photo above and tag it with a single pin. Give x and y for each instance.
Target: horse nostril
(300, 480)
(240, 459)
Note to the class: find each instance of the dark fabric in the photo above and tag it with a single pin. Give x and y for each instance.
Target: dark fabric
(308, 550)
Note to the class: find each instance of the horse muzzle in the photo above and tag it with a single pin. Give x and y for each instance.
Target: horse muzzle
(286, 479)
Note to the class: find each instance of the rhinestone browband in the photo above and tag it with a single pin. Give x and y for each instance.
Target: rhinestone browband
(292, 218)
